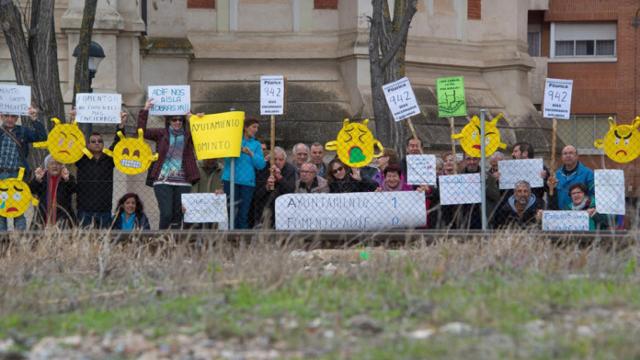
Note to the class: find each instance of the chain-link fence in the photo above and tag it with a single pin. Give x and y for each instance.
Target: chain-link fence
(307, 188)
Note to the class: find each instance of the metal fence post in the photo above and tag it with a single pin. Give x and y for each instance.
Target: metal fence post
(232, 194)
(483, 167)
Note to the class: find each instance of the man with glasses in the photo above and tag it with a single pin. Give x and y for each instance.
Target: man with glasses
(14, 151)
(95, 181)
(310, 181)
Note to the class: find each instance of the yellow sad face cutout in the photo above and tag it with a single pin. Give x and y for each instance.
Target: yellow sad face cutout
(65, 142)
(132, 156)
(15, 196)
(355, 144)
(470, 137)
(622, 142)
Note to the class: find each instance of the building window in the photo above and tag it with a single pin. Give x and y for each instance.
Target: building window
(534, 34)
(582, 130)
(201, 4)
(325, 4)
(474, 9)
(583, 40)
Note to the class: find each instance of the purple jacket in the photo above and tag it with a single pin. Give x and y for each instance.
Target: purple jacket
(161, 137)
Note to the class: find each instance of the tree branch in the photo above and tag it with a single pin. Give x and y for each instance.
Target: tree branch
(399, 37)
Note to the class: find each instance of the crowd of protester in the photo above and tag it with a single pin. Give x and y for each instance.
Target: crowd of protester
(259, 180)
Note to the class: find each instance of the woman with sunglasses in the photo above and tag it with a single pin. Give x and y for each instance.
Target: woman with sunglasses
(176, 169)
(343, 179)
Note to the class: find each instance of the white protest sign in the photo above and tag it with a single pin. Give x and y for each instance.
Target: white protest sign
(351, 211)
(421, 170)
(565, 220)
(512, 171)
(15, 99)
(97, 108)
(460, 189)
(170, 99)
(610, 192)
(557, 99)
(205, 208)
(401, 99)
(272, 95)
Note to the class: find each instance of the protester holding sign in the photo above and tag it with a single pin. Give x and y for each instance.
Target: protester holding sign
(95, 181)
(130, 214)
(580, 200)
(176, 169)
(270, 183)
(520, 209)
(343, 179)
(53, 186)
(251, 160)
(14, 151)
(472, 218)
(572, 172)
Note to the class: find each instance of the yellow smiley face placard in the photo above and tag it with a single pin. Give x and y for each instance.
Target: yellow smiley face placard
(470, 137)
(622, 142)
(65, 142)
(132, 156)
(355, 144)
(15, 196)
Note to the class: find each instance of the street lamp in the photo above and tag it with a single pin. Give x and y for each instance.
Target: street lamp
(96, 54)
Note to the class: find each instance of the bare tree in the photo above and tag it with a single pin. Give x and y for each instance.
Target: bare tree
(387, 45)
(82, 81)
(34, 52)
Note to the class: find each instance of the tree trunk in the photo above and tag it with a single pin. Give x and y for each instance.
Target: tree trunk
(81, 79)
(43, 50)
(387, 45)
(11, 23)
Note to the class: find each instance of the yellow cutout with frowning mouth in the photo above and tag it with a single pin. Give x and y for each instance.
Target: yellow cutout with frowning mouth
(469, 137)
(65, 142)
(15, 196)
(132, 156)
(355, 144)
(622, 142)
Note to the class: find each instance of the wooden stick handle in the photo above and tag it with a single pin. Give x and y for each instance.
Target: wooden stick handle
(453, 145)
(552, 168)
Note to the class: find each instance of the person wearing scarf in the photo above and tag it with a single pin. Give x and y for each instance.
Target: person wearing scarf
(581, 201)
(176, 169)
(54, 188)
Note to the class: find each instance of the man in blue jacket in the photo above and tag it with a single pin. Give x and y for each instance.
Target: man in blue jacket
(14, 150)
(572, 172)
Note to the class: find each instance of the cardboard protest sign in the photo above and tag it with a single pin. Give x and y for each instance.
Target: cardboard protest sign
(512, 171)
(557, 98)
(421, 170)
(460, 189)
(451, 99)
(170, 99)
(565, 220)
(217, 135)
(205, 208)
(65, 143)
(610, 191)
(96, 108)
(351, 211)
(132, 155)
(401, 99)
(15, 99)
(355, 144)
(621, 143)
(469, 137)
(272, 95)
(15, 196)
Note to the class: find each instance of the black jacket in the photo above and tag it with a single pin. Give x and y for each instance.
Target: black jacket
(507, 215)
(348, 184)
(64, 212)
(95, 182)
(264, 199)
